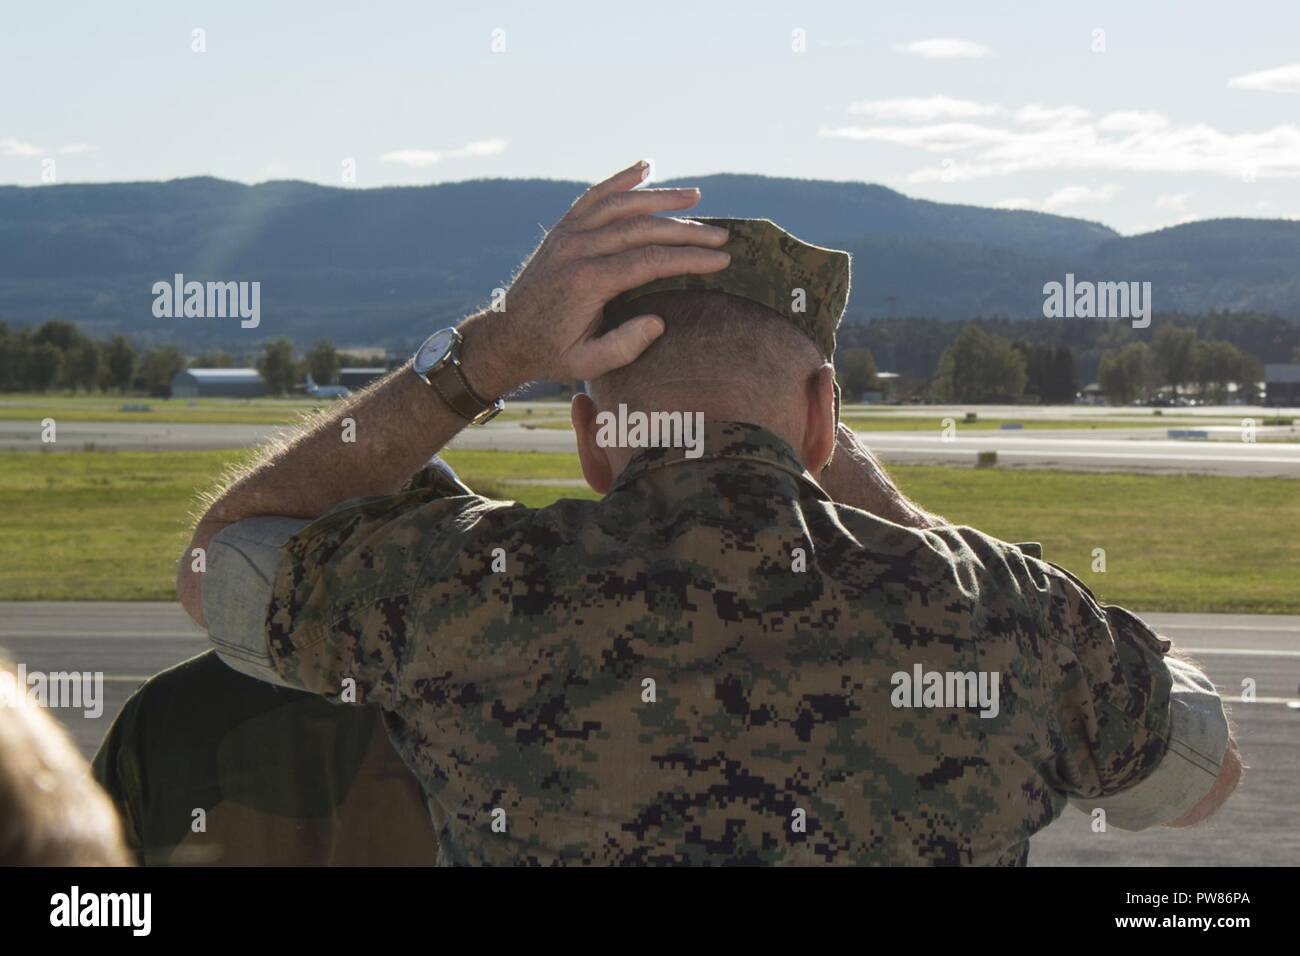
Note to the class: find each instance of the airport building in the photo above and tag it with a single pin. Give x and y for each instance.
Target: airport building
(218, 382)
(1282, 384)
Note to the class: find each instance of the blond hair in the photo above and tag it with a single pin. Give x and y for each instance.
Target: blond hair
(52, 813)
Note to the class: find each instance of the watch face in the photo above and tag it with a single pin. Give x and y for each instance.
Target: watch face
(434, 350)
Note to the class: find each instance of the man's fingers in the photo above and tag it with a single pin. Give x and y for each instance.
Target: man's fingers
(617, 347)
(620, 182)
(642, 202)
(650, 230)
(627, 270)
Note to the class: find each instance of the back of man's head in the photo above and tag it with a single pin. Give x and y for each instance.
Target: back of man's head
(718, 353)
(725, 357)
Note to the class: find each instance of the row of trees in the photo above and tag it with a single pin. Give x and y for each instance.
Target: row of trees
(58, 355)
(912, 346)
(280, 370)
(983, 367)
(1179, 360)
(979, 366)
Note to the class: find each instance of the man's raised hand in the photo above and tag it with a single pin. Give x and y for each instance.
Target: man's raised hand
(610, 241)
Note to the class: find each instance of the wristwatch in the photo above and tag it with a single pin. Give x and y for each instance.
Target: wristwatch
(437, 362)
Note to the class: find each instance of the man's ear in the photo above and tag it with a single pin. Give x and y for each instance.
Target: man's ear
(596, 467)
(819, 423)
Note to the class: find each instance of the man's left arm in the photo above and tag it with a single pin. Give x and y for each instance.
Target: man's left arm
(397, 425)
(610, 241)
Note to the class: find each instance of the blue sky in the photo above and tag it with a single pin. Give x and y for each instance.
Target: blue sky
(1189, 112)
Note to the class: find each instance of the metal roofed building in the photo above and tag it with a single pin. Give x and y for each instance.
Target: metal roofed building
(218, 382)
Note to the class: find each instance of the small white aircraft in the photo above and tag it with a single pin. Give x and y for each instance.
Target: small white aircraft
(324, 391)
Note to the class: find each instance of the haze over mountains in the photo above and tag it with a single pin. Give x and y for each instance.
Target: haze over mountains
(383, 265)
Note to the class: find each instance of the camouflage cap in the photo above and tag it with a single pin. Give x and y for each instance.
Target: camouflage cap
(806, 284)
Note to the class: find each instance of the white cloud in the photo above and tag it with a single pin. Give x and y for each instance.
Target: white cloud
(76, 149)
(1077, 195)
(414, 158)
(421, 158)
(944, 48)
(1133, 121)
(17, 147)
(1037, 114)
(1061, 198)
(1284, 79)
(484, 147)
(939, 138)
(923, 110)
(1174, 201)
(1040, 137)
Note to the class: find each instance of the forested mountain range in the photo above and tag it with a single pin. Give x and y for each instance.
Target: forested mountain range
(382, 266)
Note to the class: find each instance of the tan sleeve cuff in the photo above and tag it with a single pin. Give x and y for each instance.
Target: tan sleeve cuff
(1198, 739)
(241, 563)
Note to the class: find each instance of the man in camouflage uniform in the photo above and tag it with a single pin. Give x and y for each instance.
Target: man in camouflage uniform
(742, 653)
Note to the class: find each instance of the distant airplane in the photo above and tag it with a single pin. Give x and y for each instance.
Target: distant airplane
(324, 391)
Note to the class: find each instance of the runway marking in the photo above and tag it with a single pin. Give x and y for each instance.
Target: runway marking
(1280, 628)
(1094, 455)
(1233, 652)
(1288, 701)
(77, 635)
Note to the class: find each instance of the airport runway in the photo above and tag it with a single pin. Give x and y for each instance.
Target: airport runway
(1259, 827)
(1132, 452)
(1140, 449)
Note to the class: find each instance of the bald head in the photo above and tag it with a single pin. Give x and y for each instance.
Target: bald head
(718, 352)
(725, 357)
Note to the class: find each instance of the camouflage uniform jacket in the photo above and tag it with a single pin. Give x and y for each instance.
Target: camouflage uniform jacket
(704, 667)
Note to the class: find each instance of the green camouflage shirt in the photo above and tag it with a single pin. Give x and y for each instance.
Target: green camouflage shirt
(282, 778)
(704, 667)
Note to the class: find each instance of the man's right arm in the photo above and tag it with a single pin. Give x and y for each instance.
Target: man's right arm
(1140, 733)
(1199, 766)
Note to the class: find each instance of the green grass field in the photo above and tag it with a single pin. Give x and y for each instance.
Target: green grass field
(915, 423)
(885, 422)
(109, 525)
(550, 415)
(203, 411)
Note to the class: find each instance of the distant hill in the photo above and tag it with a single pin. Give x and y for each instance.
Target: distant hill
(384, 265)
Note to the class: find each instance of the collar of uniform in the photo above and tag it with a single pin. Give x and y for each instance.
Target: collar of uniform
(724, 441)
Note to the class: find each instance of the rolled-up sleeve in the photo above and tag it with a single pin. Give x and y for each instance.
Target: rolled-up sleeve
(321, 605)
(1196, 743)
(242, 561)
(1138, 734)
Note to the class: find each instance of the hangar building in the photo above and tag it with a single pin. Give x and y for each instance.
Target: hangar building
(222, 382)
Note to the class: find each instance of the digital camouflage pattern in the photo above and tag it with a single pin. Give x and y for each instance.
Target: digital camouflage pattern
(520, 697)
(767, 266)
(283, 778)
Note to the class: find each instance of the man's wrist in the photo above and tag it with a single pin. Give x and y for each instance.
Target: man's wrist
(486, 357)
